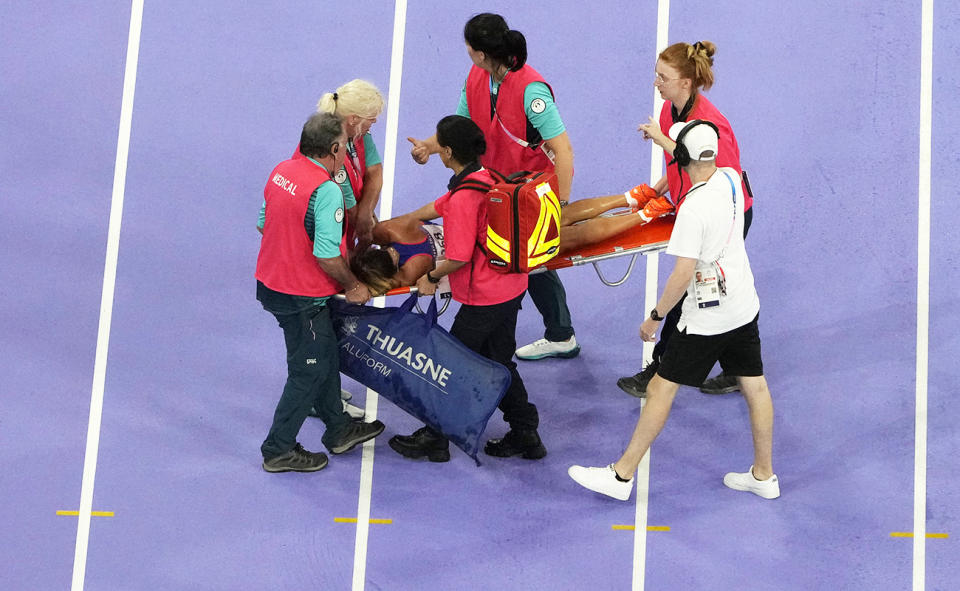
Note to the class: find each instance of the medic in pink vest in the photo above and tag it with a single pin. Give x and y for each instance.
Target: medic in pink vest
(518, 118)
(682, 70)
(301, 263)
(287, 263)
(514, 108)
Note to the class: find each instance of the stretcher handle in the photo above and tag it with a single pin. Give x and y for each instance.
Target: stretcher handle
(404, 291)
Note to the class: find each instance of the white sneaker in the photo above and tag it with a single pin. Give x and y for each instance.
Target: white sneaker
(544, 348)
(768, 489)
(355, 412)
(345, 394)
(602, 480)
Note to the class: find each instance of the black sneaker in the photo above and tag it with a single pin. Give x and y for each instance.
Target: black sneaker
(636, 385)
(296, 460)
(721, 384)
(517, 442)
(355, 434)
(422, 442)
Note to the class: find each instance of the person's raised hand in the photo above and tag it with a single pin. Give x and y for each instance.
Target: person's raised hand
(649, 129)
(419, 151)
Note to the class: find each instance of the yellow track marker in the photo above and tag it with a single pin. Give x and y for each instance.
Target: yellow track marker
(907, 534)
(649, 527)
(93, 513)
(354, 520)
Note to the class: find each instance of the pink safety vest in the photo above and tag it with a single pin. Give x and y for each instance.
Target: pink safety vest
(286, 263)
(728, 153)
(503, 153)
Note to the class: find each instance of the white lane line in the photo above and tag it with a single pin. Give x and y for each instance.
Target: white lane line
(386, 211)
(650, 300)
(923, 297)
(106, 298)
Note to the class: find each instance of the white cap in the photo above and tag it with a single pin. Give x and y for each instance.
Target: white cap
(700, 140)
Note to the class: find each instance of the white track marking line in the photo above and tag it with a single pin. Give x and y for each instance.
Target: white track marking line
(650, 300)
(923, 297)
(386, 211)
(106, 299)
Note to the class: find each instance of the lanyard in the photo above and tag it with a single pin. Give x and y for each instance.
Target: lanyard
(352, 152)
(495, 115)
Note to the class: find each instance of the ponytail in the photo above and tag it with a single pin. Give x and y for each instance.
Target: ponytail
(327, 103)
(357, 97)
(489, 33)
(518, 49)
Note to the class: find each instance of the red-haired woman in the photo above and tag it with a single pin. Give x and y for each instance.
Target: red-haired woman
(682, 71)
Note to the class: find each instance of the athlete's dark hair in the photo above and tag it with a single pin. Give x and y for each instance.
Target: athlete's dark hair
(489, 33)
(375, 268)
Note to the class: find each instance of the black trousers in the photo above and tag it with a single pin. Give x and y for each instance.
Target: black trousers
(550, 298)
(491, 332)
(672, 318)
(313, 374)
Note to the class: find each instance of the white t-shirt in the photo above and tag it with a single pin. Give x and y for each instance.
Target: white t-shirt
(709, 228)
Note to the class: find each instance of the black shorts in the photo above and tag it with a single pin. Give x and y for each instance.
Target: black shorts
(690, 357)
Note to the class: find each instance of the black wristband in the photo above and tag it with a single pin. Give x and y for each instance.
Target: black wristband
(655, 316)
(431, 279)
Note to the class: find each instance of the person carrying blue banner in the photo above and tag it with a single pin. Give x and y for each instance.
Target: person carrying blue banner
(487, 320)
(302, 262)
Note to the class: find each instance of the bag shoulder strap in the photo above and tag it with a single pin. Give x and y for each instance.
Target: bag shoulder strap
(472, 184)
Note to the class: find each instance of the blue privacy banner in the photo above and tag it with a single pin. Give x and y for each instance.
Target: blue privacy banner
(413, 362)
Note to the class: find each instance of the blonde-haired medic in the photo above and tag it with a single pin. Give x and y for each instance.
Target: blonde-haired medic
(358, 103)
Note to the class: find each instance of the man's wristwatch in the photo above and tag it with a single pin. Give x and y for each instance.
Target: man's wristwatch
(655, 316)
(431, 279)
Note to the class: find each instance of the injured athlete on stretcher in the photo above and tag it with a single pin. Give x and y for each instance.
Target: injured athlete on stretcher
(405, 248)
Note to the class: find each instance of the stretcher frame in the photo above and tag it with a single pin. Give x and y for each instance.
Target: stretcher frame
(639, 240)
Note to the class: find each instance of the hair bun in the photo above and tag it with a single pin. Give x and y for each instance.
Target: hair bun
(706, 48)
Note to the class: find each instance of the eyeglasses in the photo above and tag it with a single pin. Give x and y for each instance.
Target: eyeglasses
(660, 79)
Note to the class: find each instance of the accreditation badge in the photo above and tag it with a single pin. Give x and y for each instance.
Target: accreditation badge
(707, 286)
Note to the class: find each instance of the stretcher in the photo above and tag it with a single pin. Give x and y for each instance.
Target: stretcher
(645, 239)
(639, 240)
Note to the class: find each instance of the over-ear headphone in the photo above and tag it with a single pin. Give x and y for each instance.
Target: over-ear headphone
(680, 153)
